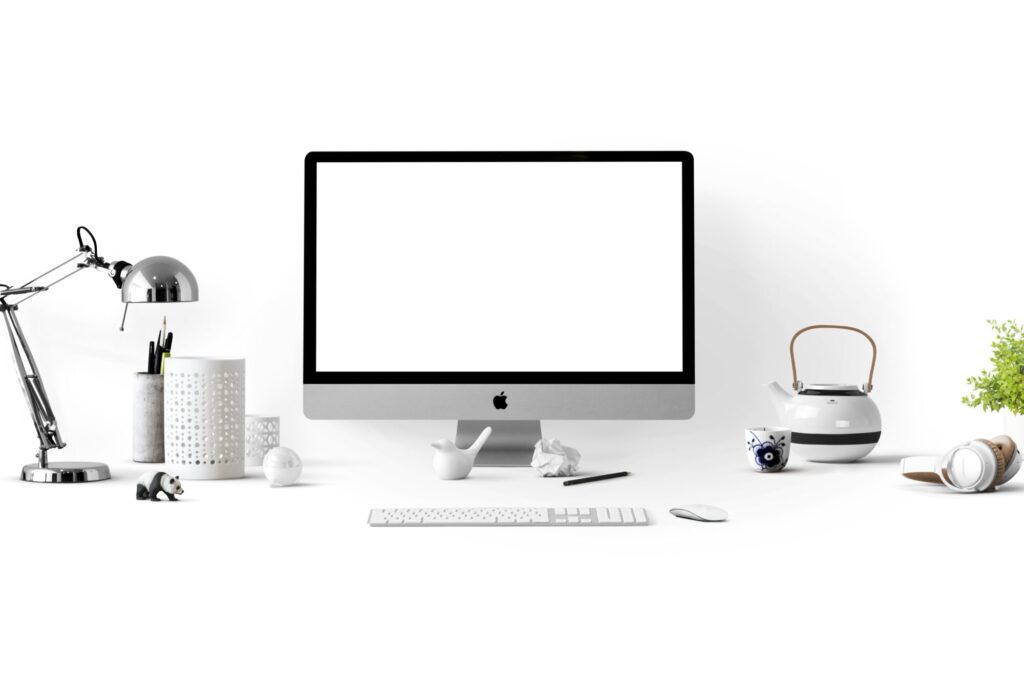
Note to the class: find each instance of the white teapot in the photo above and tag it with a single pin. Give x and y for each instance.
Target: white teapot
(830, 422)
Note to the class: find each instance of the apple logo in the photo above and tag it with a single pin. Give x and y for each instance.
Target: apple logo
(501, 401)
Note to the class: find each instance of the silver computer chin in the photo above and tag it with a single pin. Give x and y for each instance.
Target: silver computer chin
(498, 288)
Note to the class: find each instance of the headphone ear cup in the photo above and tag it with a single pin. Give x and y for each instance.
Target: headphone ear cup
(1011, 456)
(1000, 461)
(921, 468)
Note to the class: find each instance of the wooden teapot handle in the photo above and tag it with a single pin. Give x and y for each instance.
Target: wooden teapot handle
(874, 351)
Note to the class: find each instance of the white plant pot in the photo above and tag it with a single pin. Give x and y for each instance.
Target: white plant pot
(1013, 425)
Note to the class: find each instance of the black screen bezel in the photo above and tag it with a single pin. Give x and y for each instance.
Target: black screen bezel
(312, 376)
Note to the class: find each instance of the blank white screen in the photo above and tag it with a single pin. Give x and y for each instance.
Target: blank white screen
(519, 266)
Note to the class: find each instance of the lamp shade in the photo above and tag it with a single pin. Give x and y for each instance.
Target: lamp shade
(159, 279)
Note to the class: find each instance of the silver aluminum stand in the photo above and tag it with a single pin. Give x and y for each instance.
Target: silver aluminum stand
(510, 445)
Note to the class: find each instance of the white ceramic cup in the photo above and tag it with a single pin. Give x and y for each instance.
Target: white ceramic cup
(768, 447)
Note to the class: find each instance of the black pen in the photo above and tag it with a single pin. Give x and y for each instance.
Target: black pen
(149, 365)
(588, 479)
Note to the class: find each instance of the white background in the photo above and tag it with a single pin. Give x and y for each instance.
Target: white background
(856, 164)
(514, 267)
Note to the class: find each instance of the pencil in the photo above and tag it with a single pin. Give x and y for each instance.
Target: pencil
(588, 479)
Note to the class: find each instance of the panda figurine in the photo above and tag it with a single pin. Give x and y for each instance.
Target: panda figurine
(151, 485)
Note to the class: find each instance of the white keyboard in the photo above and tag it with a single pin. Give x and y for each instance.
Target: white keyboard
(510, 516)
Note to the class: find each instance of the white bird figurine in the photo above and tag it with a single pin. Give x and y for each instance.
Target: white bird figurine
(451, 463)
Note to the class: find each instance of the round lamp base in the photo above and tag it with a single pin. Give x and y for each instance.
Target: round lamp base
(65, 472)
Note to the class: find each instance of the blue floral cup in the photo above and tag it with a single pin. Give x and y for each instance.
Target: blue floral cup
(768, 448)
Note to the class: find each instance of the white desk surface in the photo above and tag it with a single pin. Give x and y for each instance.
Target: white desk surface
(824, 571)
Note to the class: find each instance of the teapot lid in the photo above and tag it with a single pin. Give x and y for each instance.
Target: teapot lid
(831, 389)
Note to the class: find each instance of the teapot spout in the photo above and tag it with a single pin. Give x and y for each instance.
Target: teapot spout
(779, 396)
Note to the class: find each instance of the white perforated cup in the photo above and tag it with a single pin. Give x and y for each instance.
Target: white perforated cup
(204, 417)
(262, 434)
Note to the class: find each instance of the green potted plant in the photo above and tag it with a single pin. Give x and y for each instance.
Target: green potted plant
(1001, 388)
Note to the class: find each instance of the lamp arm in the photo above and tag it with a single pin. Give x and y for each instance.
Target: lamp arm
(115, 270)
(31, 381)
(58, 266)
(32, 386)
(28, 290)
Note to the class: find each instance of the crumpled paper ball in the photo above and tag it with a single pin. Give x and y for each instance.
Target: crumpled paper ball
(551, 458)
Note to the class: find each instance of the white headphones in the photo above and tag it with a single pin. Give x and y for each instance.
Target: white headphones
(977, 466)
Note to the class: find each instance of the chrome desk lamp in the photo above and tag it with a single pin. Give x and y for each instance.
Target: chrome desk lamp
(158, 279)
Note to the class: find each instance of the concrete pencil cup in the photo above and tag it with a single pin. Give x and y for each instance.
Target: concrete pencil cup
(204, 417)
(148, 419)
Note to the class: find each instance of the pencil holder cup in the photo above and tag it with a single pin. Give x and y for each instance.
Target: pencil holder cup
(262, 434)
(204, 417)
(148, 419)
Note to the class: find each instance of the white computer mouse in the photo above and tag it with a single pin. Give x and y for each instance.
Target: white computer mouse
(700, 512)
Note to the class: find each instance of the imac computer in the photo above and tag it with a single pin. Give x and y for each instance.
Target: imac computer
(498, 289)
